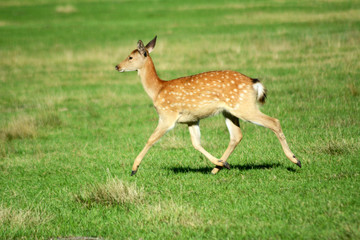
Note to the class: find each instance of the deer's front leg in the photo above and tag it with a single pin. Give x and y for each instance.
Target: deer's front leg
(160, 130)
(194, 130)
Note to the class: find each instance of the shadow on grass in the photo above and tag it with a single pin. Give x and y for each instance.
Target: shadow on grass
(246, 167)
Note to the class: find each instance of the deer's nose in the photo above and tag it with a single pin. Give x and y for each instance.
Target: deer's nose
(116, 67)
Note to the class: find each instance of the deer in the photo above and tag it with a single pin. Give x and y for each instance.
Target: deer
(187, 100)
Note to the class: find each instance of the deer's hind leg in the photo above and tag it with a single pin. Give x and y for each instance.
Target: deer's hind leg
(233, 126)
(261, 119)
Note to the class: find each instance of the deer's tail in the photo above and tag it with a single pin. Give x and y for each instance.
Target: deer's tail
(260, 90)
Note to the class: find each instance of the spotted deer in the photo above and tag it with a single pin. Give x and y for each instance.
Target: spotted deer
(189, 99)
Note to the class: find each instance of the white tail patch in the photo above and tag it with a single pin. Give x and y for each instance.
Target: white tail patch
(260, 92)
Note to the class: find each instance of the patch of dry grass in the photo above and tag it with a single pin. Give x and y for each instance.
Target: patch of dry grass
(48, 118)
(2, 147)
(113, 192)
(25, 126)
(12, 218)
(3, 23)
(335, 147)
(65, 9)
(173, 214)
(340, 146)
(353, 89)
(19, 128)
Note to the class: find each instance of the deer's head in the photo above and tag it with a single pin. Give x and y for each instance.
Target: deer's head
(137, 58)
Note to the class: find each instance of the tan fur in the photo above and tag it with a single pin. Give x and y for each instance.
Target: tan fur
(192, 98)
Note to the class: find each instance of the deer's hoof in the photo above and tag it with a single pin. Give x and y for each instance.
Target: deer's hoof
(133, 173)
(226, 165)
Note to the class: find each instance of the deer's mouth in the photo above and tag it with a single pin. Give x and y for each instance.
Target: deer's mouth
(119, 69)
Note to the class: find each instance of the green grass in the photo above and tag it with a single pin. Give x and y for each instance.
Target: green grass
(71, 126)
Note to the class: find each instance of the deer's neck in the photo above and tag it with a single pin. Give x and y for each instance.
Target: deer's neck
(149, 79)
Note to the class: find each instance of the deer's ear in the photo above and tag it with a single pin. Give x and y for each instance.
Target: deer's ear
(141, 48)
(151, 45)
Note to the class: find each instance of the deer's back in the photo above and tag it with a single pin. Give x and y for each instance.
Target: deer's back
(204, 94)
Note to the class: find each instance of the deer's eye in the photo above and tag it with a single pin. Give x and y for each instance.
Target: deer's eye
(130, 58)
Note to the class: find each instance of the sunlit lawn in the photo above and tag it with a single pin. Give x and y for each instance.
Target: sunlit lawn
(71, 126)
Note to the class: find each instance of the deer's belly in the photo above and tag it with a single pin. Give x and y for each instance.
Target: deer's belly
(194, 115)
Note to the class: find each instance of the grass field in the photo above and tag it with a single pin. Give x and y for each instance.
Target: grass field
(71, 126)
